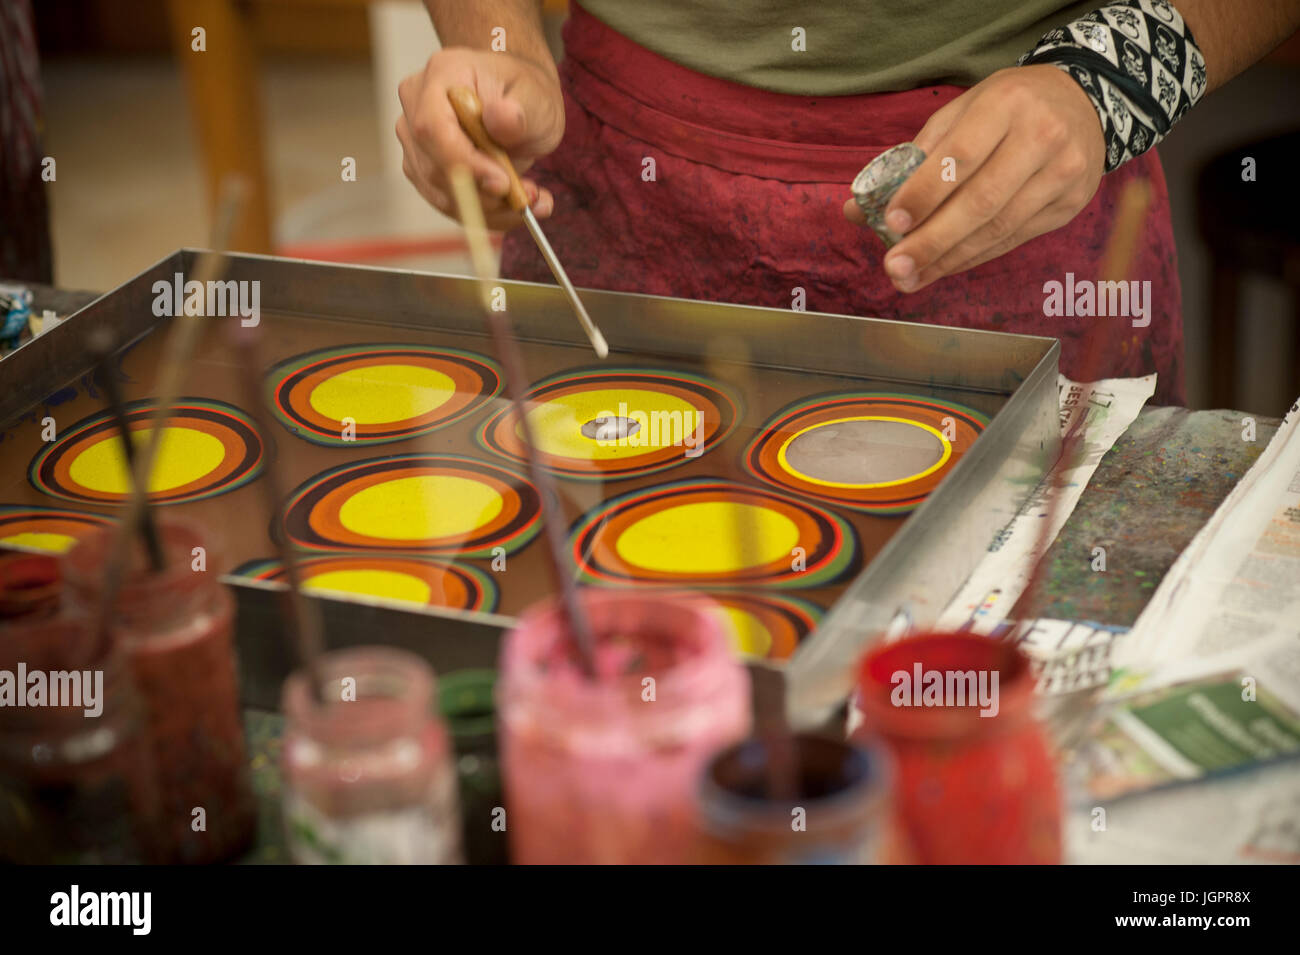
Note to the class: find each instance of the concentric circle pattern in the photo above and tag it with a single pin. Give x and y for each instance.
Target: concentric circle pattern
(208, 448)
(429, 503)
(417, 580)
(766, 628)
(709, 532)
(48, 529)
(614, 423)
(375, 394)
(874, 452)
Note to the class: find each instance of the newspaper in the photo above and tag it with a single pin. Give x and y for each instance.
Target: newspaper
(1107, 408)
(1248, 817)
(1231, 601)
(1184, 732)
(1207, 681)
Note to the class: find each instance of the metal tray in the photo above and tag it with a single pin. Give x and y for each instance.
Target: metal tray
(909, 581)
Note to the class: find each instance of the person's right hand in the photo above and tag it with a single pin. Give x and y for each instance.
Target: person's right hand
(523, 110)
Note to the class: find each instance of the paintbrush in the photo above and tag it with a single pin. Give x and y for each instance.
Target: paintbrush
(782, 766)
(469, 111)
(302, 616)
(471, 217)
(100, 346)
(1116, 265)
(177, 350)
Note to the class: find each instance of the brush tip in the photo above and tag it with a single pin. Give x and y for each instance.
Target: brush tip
(599, 344)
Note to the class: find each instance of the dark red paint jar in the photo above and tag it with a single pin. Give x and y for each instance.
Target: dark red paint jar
(76, 783)
(176, 629)
(976, 778)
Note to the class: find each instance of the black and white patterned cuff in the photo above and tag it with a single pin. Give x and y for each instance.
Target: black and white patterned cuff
(1138, 63)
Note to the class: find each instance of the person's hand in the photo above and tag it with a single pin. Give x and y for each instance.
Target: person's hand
(1026, 152)
(523, 110)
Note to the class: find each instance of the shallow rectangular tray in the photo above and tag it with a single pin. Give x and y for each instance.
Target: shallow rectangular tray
(910, 580)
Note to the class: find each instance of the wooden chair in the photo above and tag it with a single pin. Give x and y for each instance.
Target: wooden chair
(223, 89)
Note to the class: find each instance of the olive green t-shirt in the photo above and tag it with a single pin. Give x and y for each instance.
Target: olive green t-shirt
(839, 47)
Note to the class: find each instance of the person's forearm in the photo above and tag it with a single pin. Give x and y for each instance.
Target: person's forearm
(1235, 34)
(472, 24)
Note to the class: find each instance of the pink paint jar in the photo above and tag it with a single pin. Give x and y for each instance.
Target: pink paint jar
(971, 789)
(604, 770)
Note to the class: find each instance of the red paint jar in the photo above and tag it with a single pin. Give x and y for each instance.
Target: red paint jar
(970, 788)
(176, 629)
(76, 785)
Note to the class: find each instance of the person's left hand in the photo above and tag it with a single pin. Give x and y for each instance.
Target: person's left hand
(1027, 152)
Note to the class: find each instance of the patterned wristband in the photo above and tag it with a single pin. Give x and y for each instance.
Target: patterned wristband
(1138, 63)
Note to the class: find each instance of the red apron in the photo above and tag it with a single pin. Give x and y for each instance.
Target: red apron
(745, 202)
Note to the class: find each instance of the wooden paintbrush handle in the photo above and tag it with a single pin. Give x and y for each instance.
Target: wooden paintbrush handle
(470, 113)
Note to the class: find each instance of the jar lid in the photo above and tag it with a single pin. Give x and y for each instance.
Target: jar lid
(981, 687)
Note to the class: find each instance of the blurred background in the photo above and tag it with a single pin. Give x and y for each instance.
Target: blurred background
(141, 127)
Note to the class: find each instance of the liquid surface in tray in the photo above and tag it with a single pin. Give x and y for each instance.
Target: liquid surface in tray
(403, 461)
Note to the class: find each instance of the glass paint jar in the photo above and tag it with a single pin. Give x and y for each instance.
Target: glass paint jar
(837, 810)
(367, 769)
(976, 780)
(603, 770)
(175, 627)
(76, 785)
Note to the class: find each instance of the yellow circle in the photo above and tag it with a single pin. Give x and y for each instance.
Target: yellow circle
(185, 455)
(40, 540)
(708, 537)
(749, 637)
(425, 507)
(370, 582)
(381, 394)
(943, 458)
(665, 420)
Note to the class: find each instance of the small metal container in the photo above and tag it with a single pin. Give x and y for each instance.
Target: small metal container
(879, 180)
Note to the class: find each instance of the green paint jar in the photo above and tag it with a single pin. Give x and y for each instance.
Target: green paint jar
(468, 706)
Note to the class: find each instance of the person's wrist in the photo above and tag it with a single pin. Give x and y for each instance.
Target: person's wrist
(1074, 90)
(1138, 63)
